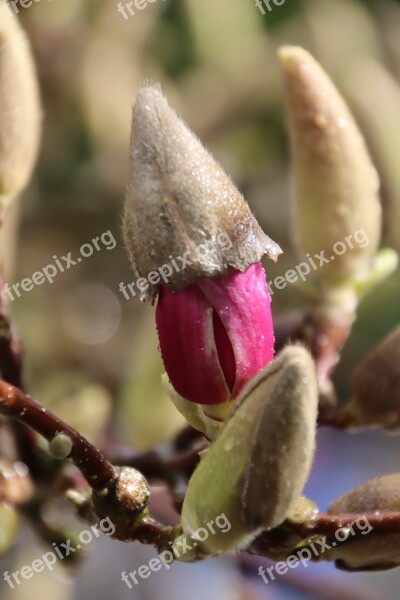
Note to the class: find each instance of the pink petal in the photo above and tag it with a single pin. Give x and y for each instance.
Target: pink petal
(225, 351)
(186, 333)
(243, 303)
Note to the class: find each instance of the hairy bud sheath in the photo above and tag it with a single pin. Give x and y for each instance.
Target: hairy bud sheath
(336, 184)
(368, 550)
(20, 112)
(256, 469)
(379, 494)
(179, 198)
(376, 386)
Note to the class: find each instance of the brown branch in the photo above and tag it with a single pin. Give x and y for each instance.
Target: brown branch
(186, 438)
(325, 338)
(163, 463)
(151, 532)
(120, 492)
(167, 463)
(10, 345)
(11, 362)
(325, 524)
(341, 419)
(96, 469)
(282, 541)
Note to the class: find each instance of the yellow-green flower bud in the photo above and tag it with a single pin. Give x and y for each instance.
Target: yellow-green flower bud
(256, 469)
(336, 184)
(20, 112)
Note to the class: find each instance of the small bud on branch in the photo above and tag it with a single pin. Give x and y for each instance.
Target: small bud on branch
(15, 404)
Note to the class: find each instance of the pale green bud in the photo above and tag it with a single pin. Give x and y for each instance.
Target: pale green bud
(336, 185)
(20, 112)
(256, 469)
(61, 446)
(205, 418)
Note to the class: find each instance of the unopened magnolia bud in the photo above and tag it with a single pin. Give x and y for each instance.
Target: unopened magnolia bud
(216, 335)
(370, 84)
(364, 549)
(376, 386)
(375, 397)
(337, 209)
(184, 218)
(256, 469)
(379, 494)
(20, 113)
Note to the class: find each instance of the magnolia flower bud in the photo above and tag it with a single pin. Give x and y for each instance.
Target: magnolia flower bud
(256, 469)
(336, 184)
(376, 389)
(20, 113)
(364, 549)
(179, 200)
(216, 334)
(379, 494)
(376, 385)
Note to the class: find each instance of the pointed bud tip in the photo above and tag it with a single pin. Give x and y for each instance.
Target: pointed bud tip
(290, 56)
(149, 101)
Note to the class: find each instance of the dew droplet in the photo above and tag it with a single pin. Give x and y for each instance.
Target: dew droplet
(261, 341)
(229, 444)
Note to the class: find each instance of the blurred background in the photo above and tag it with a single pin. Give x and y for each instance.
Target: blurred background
(91, 355)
